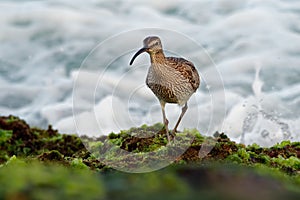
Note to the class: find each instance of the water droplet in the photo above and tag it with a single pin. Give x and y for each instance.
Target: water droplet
(264, 133)
(285, 130)
(249, 122)
(283, 126)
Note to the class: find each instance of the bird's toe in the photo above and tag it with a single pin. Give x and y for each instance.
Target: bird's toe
(173, 133)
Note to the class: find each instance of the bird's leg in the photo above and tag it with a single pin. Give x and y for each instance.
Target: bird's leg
(183, 110)
(166, 122)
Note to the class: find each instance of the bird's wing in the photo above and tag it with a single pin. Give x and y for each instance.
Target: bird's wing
(186, 68)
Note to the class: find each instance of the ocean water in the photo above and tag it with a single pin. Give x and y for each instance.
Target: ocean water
(66, 63)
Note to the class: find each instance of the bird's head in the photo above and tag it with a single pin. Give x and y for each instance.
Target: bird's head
(152, 45)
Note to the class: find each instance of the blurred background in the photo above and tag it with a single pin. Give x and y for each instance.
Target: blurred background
(49, 49)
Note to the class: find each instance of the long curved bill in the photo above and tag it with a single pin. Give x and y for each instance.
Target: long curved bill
(142, 50)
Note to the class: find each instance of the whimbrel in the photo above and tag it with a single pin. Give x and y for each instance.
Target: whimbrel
(172, 80)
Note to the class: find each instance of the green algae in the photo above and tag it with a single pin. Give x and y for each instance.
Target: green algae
(5, 135)
(47, 149)
(17, 138)
(78, 163)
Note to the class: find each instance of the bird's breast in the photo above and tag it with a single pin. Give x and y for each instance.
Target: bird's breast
(168, 84)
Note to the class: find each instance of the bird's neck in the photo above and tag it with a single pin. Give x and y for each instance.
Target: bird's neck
(157, 57)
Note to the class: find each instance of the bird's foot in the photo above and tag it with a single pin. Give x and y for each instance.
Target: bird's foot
(170, 134)
(173, 133)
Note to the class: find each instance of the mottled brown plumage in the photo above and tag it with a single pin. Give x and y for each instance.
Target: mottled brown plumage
(172, 80)
(186, 68)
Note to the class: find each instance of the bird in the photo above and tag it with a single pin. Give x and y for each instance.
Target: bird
(173, 80)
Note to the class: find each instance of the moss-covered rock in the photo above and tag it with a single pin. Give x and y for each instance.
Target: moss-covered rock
(36, 163)
(17, 138)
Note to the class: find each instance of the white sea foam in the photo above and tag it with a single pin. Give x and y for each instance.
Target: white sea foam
(254, 44)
